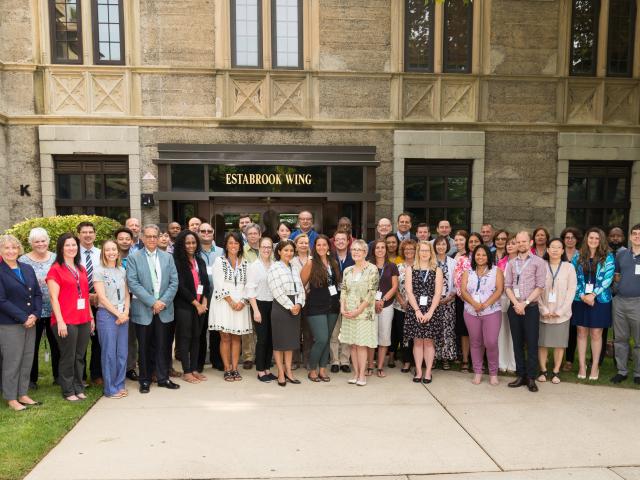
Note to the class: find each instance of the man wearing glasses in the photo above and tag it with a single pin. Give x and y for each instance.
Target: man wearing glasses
(305, 224)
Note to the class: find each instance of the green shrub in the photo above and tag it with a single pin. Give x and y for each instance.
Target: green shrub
(56, 226)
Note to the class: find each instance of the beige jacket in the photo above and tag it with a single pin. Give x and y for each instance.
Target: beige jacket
(564, 289)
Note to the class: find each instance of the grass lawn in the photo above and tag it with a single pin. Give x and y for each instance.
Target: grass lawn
(27, 436)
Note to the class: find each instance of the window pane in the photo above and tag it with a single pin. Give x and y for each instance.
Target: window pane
(577, 217)
(419, 35)
(577, 189)
(622, 17)
(458, 30)
(69, 187)
(119, 214)
(616, 189)
(457, 188)
(247, 31)
(109, 31)
(186, 178)
(457, 218)
(595, 218)
(584, 37)
(117, 186)
(435, 215)
(93, 185)
(418, 215)
(596, 189)
(286, 33)
(346, 179)
(415, 188)
(66, 24)
(436, 188)
(616, 216)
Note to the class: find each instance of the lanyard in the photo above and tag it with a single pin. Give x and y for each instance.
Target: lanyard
(295, 287)
(235, 272)
(424, 277)
(330, 275)
(115, 283)
(76, 277)
(520, 270)
(381, 272)
(590, 270)
(554, 275)
(154, 257)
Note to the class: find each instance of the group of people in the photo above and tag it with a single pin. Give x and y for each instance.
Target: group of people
(302, 298)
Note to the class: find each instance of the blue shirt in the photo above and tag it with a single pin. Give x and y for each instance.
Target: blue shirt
(629, 284)
(312, 234)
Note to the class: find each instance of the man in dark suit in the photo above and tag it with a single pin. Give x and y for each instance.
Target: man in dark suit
(403, 231)
(153, 282)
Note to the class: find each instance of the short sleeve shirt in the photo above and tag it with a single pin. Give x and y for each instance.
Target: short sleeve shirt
(386, 274)
(68, 296)
(114, 283)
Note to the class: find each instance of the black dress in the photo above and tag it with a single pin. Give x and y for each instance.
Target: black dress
(423, 283)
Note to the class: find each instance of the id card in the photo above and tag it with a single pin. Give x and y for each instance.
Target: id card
(378, 295)
(209, 270)
(637, 269)
(588, 288)
(121, 307)
(552, 297)
(200, 289)
(423, 300)
(516, 292)
(333, 290)
(81, 305)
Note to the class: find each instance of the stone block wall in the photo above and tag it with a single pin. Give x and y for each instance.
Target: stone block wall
(16, 32)
(22, 167)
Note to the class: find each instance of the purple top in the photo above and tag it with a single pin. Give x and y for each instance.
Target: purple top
(389, 271)
(526, 275)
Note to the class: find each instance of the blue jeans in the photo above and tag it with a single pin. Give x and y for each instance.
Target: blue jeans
(321, 329)
(114, 340)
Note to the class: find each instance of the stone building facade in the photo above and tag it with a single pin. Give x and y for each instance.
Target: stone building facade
(517, 136)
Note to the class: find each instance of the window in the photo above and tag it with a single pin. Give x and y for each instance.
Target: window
(584, 37)
(622, 15)
(598, 195)
(66, 31)
(419, 35)
(108, 35)
(246, 33)
(457, 36)
(438, 190)
(92, 185)
(286, 30)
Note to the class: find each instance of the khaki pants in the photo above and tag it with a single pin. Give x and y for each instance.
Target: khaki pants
(338, 352)
(248, 347)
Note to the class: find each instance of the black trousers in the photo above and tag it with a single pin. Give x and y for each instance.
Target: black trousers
(524, 333)
(95, 363)
(152, 350)
(188, 333)
(44, 325)
(402, 353)
(264, 340)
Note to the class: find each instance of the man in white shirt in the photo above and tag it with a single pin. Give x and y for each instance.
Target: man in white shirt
(90, 260)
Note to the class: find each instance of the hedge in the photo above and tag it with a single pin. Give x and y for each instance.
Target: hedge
(56, 226)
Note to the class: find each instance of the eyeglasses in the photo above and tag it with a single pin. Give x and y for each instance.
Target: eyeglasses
(206, 231)
(502, 239)
(356, 249)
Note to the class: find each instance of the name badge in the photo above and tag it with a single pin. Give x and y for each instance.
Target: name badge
(423, 300)
(121, 307)
(516, 292)
(476, 297)
(209, 270)
(637, 269)
(200, 289)
(47, 356)
(378, 295)
(81, 304)
(588, 288)
(333, 290)
(552, 297)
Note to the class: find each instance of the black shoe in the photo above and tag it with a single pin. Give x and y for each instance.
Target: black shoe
(144, 388)
(132, 375)
(282, 384)
(636, 380)
(295, 381)
(427, 380)
(247, 365)
(335, 368)
(619, 378)
(169, 384)
(531, 385)
(266, 378)
(272, 376)
(345, 369)
(518, 382)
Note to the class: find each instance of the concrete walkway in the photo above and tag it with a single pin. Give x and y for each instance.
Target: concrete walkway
(391, 429)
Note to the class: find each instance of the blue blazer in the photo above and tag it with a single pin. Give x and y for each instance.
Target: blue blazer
(141, 286)
(18, 300)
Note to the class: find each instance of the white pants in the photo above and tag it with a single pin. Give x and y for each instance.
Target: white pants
(385, 319)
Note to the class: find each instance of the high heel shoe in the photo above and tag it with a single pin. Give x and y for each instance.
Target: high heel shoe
(295, 381)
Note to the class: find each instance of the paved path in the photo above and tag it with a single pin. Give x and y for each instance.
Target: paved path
(391, 429)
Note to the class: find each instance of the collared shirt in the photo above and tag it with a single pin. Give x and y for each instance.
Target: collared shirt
(135, 246)
(533, 274)
(283, 281)
(250, 254)
(154, 269)
(403, 236)
(312, 234)
(257, 285)
(626, 264)
(345, 262)
(452, 246)
(94, 253)
(209, 258)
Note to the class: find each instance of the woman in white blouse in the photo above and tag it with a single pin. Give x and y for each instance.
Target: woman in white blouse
(261, 299)
(228, 313)
(288, 299)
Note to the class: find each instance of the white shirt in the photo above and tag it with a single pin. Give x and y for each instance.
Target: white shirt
(94, 254)
(154, 257)
(257, 285)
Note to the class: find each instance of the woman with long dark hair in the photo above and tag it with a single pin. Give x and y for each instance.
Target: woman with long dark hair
(72, 320)
(540, 238)
(322, 277)
(190, 302)
(591, 311)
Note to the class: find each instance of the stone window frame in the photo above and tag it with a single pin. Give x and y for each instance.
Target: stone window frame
(631, 47)
(96, 36)
(441, 145)
(445, 50)
(601, 53)
(53, 34)
(596, 147)
(232, 32)
(274, 40)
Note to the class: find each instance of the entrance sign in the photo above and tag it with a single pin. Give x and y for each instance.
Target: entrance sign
(267, 178)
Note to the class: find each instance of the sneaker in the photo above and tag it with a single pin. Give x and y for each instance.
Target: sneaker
(618, 378)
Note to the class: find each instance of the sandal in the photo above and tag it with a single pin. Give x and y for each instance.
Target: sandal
(543, 376)
(391, 364)
(228, 376)
(190, 378)
(567, 367)
(555, 378)
(369, 372)
(465, 367)
(236, 375)
(381, 373)
(324, 378)
(446, 365)
(313, 379)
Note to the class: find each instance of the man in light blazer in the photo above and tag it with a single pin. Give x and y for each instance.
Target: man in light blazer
(153, 283)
